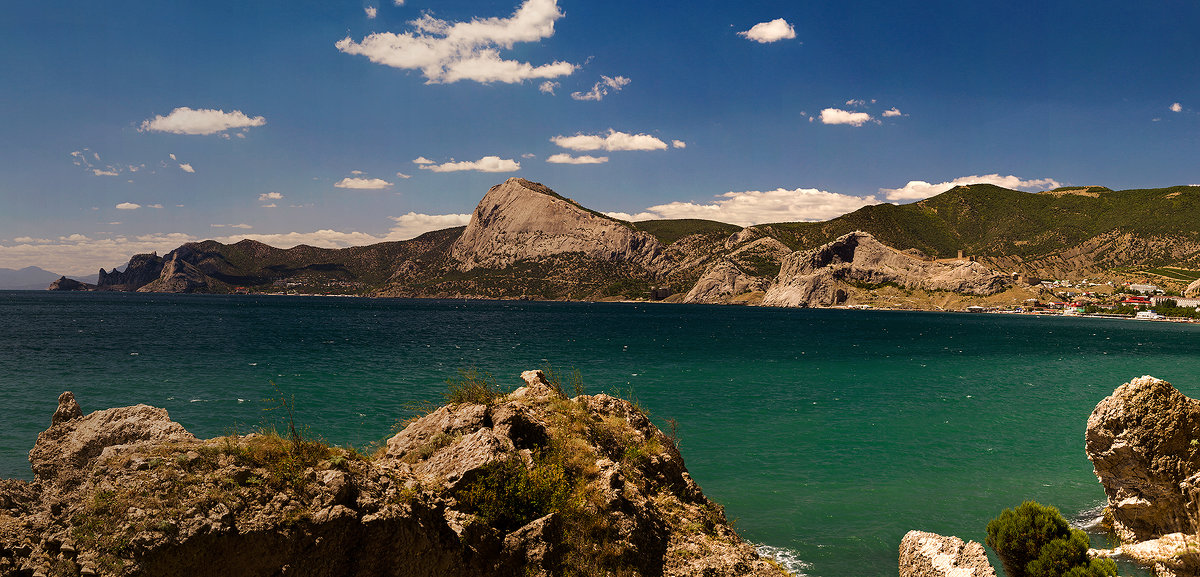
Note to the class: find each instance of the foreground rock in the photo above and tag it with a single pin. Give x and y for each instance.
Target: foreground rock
(1143, 443)
(530, 483)
(829, 274)
(931, 555)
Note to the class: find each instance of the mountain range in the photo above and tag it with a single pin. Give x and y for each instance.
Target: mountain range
(524, 240)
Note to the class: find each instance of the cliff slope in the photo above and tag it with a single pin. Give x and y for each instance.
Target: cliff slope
(529, 483)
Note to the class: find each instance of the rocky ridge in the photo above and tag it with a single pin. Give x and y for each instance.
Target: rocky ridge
(528, 483)
(828, 275)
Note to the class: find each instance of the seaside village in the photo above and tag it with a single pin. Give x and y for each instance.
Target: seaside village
(1104, 299)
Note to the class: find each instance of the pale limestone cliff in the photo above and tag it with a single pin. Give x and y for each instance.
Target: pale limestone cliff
(826, 275)
(519, 220)
(525, 484)
(931, 555)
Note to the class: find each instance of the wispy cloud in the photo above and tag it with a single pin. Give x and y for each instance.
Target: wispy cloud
(202, 121)
(758, 207)
(773, 31)
(893, 111)
(270, 196)
(564, 158)
(919, 189)
(1177, 107)
(600, 89)
(447, 52)
(362, 183)
(613, 141)
(485, 164)
(548, 87)
(371, 12)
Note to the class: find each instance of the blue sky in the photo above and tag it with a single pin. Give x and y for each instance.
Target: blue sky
(136, 126)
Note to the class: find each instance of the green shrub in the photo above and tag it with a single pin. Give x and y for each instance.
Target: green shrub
(1034, 540)
(507, 494)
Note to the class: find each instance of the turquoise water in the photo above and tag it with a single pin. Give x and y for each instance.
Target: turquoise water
(826, 433)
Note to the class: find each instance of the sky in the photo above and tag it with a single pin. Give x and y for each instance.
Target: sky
(131, 127)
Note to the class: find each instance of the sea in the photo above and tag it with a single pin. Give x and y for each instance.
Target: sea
(826, 434)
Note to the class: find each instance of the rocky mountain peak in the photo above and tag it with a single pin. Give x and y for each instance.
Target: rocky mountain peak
(519, 219)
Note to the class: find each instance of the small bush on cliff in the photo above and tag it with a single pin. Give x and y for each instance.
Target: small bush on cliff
(472, 386)
(1034, 540)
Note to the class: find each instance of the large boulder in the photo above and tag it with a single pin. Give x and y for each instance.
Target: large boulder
(931, 555)
(1143, 443)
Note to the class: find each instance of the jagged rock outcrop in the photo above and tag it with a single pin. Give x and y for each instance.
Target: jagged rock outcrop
(69, 284)
(529, 483)
(1142, 441)
(931, 555)
(523, 220)
(741, 271)
(178, 275)
(825, 276)
(142, 269)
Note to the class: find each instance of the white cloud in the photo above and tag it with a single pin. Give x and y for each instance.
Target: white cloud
(1177, 107)
(613, 141)
(186, 167)
(172, 155)
(856, 102)
(270, 196)
(31, 240)
(185, 120)
(893, 111)
(356, 172)
(452, 51)
(600, 89)
(415, 224)
(758, 207)
(399, 2)
(564, 158)
(773, 31)
(485, 164)
(270, 205)
(422, 160)
(371, 12)
(154, 206)
(404, 176)
(838, 116)
(678, 144)
(362, 183)
(128, 206)
(548, 87)
(103, 172)
(919, 189)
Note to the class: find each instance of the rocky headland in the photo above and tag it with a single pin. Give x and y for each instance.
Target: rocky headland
(527, 483)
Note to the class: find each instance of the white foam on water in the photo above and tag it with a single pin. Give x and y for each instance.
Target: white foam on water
(1091, 519)
(784, 556)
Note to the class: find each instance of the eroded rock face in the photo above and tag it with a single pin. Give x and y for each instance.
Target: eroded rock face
(64, 453)
(823, 276)
(931, 555)
(1140, 440)
(519, 220)
(128, 492)
(141, 270)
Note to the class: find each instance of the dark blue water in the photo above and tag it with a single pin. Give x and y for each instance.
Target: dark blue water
(827, 433)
